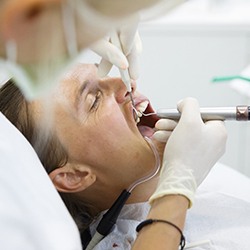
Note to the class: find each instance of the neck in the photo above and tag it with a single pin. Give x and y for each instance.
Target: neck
(143, 191)
(106, 198)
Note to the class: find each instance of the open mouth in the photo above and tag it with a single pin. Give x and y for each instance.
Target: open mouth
(146, 118)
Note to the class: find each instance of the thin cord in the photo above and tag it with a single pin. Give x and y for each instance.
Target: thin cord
(156, 169)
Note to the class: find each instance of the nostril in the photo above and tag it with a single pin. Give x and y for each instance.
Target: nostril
(133, 85)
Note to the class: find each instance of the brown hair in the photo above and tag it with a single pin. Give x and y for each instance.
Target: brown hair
(49, 150)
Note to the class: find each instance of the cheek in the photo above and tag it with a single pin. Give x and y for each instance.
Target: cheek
(108, 136)
(113, 126)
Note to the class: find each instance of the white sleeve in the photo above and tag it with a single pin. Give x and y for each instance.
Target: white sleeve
(220, 218)
(32, 214)
(121, 238)
(124, 233)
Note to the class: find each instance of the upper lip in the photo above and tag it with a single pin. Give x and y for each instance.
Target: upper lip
(140, 99)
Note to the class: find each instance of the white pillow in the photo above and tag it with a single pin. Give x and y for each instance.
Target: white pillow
(225, 180)
(32, 214)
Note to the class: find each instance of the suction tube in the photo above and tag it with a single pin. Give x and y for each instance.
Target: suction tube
(156, 169)
(109, 219)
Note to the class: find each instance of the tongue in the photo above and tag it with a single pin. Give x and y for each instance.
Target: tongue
(146, 131)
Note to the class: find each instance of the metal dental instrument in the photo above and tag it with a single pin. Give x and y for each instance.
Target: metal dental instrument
(237, 113)
(124, 72)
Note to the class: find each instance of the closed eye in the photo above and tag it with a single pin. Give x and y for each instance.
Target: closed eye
(96, 101)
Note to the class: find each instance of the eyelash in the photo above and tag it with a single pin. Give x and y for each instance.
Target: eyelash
(96, 102)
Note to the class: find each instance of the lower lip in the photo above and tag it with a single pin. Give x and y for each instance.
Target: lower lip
(146, 131)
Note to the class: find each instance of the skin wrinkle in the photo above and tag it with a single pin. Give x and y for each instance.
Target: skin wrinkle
(80, 94)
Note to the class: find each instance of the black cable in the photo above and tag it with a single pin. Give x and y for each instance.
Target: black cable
(110, 217)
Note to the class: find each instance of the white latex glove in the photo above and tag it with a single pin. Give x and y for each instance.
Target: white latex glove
(164, 129)
(111, 54)
(191, 151)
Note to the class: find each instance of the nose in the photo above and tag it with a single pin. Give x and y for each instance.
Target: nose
(119, 89)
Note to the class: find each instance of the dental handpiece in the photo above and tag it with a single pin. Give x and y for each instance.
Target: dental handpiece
(238, 113)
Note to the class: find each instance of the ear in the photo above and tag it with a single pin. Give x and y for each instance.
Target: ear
(69, 179)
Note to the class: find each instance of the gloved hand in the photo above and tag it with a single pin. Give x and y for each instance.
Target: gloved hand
(191, 151)
(130, 43)
(164, 129)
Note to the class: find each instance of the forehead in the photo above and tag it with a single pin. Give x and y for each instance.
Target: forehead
(80, 73)
(71, 82)
(66, 91)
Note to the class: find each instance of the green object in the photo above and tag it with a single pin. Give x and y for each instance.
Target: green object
(229, 78)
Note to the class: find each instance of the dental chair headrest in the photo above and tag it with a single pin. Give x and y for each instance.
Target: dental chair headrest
(32, 214)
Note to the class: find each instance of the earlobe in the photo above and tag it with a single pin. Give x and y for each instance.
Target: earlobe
(69, 180)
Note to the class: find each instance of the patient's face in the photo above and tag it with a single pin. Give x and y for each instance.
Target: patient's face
(94, 121)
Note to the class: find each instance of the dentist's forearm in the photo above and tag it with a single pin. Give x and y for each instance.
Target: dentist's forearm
(162, 236)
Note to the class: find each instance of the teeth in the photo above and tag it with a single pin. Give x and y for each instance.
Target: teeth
(139, 114)
(142, 107)
(137, 120)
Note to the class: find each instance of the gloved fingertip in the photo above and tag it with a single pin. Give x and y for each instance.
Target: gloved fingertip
(123, 65)
(189, 109)
(103, 68)
(165, 124)
(187, 101)
(179, 104)
(118, 59)
(134, 73)
(161, 136)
